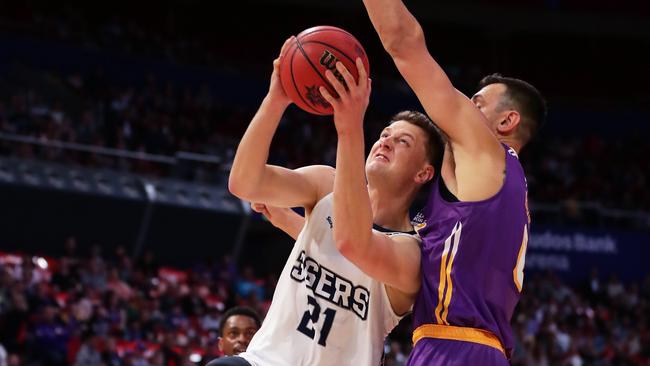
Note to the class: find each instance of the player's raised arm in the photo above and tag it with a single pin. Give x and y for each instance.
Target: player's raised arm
(391, 261)
(477, 152)
(252, 179)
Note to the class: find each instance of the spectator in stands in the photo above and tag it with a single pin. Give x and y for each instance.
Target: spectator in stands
(89, 353)
(50, 336)
(4, 356)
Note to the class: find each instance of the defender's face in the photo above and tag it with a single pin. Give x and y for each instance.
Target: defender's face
(237, 334)
(400, 151)
(488, 101)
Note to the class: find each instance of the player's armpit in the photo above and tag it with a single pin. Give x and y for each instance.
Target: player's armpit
(478, 175)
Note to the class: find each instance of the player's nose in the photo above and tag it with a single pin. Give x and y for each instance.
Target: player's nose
(385, 143)
(243, 339)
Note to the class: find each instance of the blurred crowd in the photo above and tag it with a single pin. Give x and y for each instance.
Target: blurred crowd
(600, 322)
(161, 118)
(610, 171)
(152, 118)
(103, 309)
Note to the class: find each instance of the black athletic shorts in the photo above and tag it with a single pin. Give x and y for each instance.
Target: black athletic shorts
(229, 361)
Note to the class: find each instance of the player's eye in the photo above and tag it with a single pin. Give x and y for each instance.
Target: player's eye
(404, 141)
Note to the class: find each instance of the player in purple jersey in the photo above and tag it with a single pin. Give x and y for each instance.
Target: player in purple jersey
(475, 225)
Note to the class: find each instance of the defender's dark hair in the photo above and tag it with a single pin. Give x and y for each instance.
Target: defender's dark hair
(239, 310)
(435, 147)
(524, 98)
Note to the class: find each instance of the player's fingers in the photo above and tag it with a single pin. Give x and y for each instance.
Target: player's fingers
(276, 64)
(363, 74)
(328, 97)
(349, 79)
(336, 83)
(261, 208)
(257, 207)
(265, 211)
(285, 46)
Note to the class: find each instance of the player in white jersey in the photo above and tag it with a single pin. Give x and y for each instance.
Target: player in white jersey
(325, 309)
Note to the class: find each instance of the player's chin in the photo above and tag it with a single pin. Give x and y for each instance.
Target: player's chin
(377, 163)
(377, 169)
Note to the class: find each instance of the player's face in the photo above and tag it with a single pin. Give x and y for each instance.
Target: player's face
(488, 101)
(399, 152)
(237, 334)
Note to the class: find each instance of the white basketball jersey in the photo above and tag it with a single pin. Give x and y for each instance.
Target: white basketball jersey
(325, 310)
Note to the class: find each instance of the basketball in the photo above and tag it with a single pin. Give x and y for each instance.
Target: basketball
(303, 67)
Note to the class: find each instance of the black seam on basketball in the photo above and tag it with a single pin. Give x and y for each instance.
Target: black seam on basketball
(314, 67)
(334, 48)
(334, 30)
(293, 80)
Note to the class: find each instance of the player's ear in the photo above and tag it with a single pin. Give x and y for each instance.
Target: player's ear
(220, 344)
(509, 123)
(425, 174)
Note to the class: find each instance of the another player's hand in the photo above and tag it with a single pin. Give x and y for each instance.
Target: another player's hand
(272, 213)
(282, 218)
(350, 107)
(276, 92)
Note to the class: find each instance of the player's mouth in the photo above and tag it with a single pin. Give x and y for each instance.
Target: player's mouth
(238, 350)
(381, 157)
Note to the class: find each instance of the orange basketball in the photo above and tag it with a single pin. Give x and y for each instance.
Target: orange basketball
(315, 50)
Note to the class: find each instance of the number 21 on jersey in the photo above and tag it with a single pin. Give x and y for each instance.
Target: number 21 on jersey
(309, 323)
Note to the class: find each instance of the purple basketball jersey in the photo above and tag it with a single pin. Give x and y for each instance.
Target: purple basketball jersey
(472, 261)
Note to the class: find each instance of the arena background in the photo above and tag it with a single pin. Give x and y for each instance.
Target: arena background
(119, 120)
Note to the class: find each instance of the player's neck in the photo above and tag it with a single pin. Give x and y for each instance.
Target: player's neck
(511, 142)
(389, 210)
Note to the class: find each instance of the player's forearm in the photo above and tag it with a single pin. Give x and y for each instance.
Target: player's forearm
(249, 166)
(396, 26)
(352, 210)
(289, 222)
